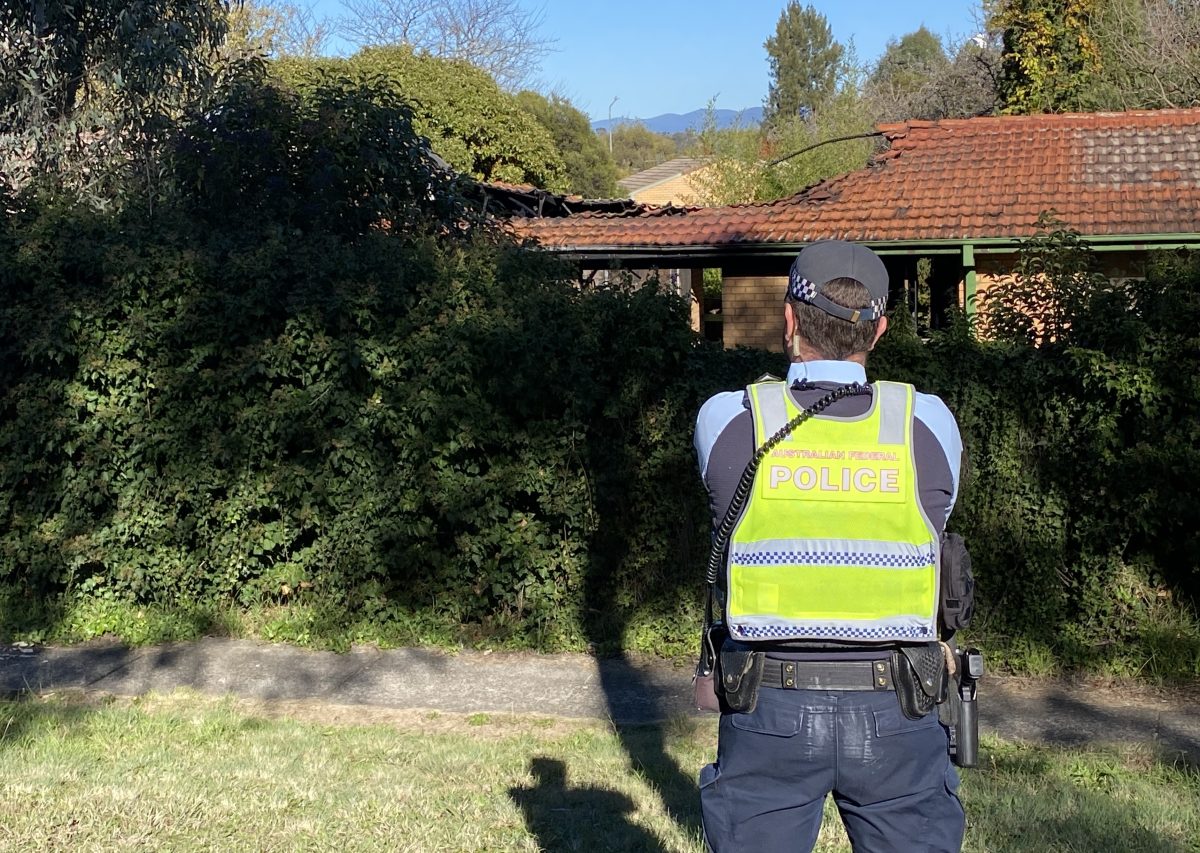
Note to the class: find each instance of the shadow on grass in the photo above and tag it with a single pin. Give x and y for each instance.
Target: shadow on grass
(640, 709)
(639, 504)
(646, 744)
(563, 818)
(25, 715)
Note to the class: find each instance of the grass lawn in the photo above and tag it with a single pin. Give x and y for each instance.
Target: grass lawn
(188, 772)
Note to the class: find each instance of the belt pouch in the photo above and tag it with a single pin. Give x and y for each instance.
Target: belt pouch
(921, 679)
(950, 711)
(739, 671)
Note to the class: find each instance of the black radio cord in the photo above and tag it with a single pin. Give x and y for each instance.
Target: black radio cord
(742, 494)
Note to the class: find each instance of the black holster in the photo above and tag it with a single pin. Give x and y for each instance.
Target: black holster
(921, 678)
(739, 677)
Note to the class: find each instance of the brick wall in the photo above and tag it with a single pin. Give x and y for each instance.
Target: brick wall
(753, 311)
(990, 269)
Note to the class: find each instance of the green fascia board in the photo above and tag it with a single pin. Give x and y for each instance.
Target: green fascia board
(985, 245)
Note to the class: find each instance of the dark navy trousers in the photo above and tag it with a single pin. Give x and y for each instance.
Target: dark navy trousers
(890, 776)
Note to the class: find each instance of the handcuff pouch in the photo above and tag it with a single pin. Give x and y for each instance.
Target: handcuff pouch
(739, 673)
(921, 679)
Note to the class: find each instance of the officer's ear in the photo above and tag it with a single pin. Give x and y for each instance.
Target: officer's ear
(880, 328)
(791, 341)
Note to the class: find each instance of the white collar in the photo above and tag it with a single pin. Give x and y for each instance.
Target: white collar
(841, 372)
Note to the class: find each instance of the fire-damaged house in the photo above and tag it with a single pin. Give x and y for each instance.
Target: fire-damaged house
(961, 193)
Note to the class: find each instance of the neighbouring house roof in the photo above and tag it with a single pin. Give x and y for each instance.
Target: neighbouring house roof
(657, 174)
(957, 180)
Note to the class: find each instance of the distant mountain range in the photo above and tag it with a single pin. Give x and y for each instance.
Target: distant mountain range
(676, 123)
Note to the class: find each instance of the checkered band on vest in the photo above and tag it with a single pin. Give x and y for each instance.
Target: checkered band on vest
(827, 632)
(833, 558)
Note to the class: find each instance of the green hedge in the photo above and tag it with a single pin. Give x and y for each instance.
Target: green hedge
(246, 402)
(1079, 496)
(379, 424)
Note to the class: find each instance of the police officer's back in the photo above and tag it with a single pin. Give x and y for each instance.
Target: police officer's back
(829, 499)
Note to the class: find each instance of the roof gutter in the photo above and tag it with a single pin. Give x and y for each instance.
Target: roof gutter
(981, 245)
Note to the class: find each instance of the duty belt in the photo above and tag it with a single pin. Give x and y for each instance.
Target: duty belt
(827, 675)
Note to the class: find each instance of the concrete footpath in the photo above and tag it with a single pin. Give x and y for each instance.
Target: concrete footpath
(626, 691)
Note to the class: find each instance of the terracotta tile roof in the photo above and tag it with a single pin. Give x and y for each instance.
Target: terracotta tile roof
(1103, 173)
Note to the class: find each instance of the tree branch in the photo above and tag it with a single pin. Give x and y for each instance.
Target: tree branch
(808, 148)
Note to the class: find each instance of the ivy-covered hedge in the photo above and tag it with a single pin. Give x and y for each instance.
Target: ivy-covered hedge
(307, 386)
(367, 421)
(1079, 499)
(310, 381)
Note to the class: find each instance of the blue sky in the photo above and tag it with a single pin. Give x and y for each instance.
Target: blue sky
(673, 56)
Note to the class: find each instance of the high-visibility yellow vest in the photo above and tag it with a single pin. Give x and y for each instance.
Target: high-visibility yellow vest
(834, 543)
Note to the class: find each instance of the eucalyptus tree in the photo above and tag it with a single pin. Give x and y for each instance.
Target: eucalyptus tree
(90, 89)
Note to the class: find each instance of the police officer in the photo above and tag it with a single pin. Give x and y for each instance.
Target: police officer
(830, 569)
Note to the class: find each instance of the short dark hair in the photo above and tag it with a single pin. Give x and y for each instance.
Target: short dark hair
(832, 337)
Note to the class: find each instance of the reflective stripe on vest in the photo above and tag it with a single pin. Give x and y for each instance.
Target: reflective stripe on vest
(834, 543)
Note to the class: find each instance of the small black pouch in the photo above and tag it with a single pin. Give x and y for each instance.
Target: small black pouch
(921, 679)
(957, 604)
(739, 673)
(950, 711)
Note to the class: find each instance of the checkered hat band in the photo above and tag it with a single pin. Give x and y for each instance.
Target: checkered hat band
(802, 290)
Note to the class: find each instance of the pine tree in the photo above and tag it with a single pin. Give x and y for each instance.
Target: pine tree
(806, 63)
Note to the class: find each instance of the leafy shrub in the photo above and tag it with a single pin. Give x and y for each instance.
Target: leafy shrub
(312, 382)
(331, 156)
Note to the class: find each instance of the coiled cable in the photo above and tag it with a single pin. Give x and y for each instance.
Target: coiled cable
(742, 493)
